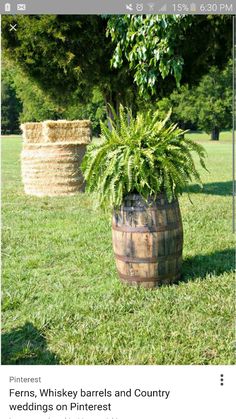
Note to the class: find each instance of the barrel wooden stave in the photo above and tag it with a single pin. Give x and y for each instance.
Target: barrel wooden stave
(148, 241)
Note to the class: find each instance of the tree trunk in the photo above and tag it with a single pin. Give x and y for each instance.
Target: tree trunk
(215, 134)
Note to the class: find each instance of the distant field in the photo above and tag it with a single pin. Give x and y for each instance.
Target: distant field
(64, 304)
(225, 136)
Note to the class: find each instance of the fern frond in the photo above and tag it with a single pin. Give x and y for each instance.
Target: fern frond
(141, 154)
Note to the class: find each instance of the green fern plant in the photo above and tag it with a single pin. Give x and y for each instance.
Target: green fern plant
(141, 154)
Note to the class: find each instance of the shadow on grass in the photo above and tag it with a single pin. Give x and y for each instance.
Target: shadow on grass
(215, 263)
(214, 188)
(26, 346)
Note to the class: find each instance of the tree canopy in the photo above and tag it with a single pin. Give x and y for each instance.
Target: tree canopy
(169, 47)
(23, 100)
(11, 106)
(207, 105)
(64, 54)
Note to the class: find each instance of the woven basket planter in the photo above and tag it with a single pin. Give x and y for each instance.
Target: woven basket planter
(51, 157)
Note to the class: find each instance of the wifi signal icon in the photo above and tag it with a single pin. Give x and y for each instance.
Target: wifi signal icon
(151, 6)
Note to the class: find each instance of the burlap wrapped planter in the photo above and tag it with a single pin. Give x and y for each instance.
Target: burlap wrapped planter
(51, 157)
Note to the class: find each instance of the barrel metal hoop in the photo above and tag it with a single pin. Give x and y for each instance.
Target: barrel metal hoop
(155, 259)
(146, 229)
(157, 279)
(147, 208)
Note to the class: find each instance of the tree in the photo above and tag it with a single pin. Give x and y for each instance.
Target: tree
(36, 106)
(67, 54)
(212, 102)
(208, 105)
(171, 47)
(95, 111)
(64, 54)
(10, 107)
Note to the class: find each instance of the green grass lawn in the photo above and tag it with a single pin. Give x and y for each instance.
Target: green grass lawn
(63, 302)
(225, 136)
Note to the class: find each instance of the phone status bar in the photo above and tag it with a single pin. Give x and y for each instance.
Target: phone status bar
(107, 7)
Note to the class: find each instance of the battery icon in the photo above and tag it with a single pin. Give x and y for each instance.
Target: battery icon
(193, 7)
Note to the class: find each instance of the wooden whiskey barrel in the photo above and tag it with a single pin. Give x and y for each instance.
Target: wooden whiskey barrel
(148, 241)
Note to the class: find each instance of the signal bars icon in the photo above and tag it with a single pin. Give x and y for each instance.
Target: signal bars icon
(151, 6)
(163, 8)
